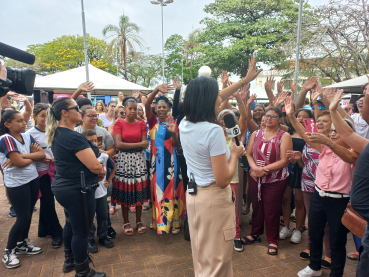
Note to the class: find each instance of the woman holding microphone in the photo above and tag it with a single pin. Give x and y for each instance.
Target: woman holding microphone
(73, 153)
(211, 166)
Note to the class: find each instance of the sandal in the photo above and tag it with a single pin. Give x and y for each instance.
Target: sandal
(247, 241)
(112, 210)
(129, 231)
(293, 218)
(281, 222)
(272, 248)
(303, 229)
(176, 231)
(151, 226)
(245, 212)
(132, 209)
(141, 230)
(353, 256)
(146, 206)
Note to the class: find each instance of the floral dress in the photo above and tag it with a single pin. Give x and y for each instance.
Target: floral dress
(169, 201)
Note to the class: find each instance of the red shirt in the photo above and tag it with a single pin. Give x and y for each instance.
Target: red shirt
(131, 132)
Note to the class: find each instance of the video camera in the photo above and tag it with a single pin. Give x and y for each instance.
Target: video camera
(21, 81)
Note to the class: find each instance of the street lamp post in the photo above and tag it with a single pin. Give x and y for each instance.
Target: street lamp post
(162, 3)
(85, 48)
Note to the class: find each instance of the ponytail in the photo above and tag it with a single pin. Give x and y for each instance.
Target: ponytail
(6, 116)
(53, 117)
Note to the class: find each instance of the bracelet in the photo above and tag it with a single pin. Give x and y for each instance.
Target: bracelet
(241, 82)
(240, 103)
(332, 146)
(339, 108)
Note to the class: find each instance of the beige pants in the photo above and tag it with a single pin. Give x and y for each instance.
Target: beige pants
(211, 219)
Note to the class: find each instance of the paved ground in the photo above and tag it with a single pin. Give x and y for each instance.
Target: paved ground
(154, 255)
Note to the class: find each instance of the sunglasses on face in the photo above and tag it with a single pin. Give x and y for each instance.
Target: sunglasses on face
(272, 116)
(92, 115)
(73, 108)
(122, 113)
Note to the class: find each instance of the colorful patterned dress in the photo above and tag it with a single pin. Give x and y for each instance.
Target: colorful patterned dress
(169, 200)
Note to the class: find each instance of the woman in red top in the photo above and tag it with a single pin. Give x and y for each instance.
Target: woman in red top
(131, 183)
(266, 153)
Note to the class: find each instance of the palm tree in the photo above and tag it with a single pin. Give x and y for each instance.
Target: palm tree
(125, 37)
(189, 47)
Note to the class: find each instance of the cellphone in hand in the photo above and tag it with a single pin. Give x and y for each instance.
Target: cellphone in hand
(99, 138)
(310, 125)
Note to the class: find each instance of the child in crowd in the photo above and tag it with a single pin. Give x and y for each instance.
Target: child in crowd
(48, 222)
(18, 151)
(101, 195)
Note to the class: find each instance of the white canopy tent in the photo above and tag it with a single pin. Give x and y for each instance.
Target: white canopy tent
(67, 82)
(353, 85)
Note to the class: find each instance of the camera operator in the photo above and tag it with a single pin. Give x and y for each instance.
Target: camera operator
(73, 153)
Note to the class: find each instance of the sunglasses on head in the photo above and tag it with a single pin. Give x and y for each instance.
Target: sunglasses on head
(320, 108)
(73, 108)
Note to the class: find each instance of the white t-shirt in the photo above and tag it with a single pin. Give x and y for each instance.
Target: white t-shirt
(40, 138)
(16, 176)
(106, 122)
(200, 141)
(101, 190)
(361, 127)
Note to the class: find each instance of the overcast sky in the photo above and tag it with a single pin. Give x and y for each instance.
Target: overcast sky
(28, 22)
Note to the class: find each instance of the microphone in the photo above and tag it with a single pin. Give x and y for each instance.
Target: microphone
(233, 131)
(16, 54)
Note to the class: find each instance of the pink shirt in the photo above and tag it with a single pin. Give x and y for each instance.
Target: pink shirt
(333, 174)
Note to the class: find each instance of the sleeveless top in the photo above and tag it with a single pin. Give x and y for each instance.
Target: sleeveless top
(266, 152)
(235, 179)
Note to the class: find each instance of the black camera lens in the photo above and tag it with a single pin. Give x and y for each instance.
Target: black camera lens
(21, 81)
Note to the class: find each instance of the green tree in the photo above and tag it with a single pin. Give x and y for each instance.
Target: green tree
(180, 52)
(144, 69)
(66, 52)
(125, 37)
(237, 28)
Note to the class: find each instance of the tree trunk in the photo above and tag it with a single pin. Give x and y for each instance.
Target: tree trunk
(124, 52)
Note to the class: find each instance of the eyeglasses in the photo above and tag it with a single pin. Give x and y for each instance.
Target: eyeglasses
(73, 108)
(92, 115)
(332, 131)
(271, 116)
(359, 101)
(122, 113)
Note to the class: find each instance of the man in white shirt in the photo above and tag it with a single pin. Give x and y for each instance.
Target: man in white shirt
(361, 126)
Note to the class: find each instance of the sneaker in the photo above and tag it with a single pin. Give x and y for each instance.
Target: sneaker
(111, 233)
(10, 260)
(308, 272)
(296, 236)
(285, 233)
(12, 212)
(238, 245)
(106, 242)
(25, 247)
(91, 246)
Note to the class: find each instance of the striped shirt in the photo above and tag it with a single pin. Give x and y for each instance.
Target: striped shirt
(310, 157)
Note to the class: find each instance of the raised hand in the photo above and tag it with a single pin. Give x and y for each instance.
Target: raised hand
(280, 99)
(315, 95)
(328, 94)
(224, 76)
(336, 100)
(269, 84)
(280, 86)
(86, 87)
(252, 73)
(245, 91)
(288, 105)
(310, 83)
(172, 126)
(251, 100)
(177, 83)
(293, 87)
(318, 138)
(164, 88)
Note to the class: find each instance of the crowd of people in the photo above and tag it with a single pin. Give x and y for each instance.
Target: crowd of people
(306, 162)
